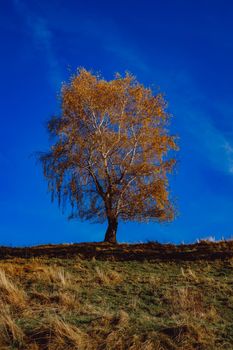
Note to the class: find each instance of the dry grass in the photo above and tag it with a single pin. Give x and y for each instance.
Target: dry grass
(189, 274)
(186, 300)
(108, 277)
(86, 305)
(54, 275)
(10, 293)
(10, 332)
(67, 301)
(67, 336)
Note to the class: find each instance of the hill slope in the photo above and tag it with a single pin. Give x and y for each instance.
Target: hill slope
(67, 302)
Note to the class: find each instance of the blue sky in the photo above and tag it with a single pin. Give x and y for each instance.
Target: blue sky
(184, 48)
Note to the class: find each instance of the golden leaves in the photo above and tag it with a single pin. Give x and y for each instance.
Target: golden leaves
(111, 152)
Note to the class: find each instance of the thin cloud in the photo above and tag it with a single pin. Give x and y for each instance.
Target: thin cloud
(42, 39)
(213, 143)
(197, 124)
(108, 35)
(229, 152)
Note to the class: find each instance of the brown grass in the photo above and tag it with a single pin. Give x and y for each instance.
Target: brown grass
(53, 275)
(86, 305)
(10, 332)
(108, 277)
(10, 293)
(67, 336)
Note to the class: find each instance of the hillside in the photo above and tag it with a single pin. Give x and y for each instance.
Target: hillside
(98, 296)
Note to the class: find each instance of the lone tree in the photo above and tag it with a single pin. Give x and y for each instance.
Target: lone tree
(110, 156)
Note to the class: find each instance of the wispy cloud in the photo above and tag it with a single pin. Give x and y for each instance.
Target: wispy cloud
(42, 39)
(211, 142)
(111, 39)
(229, 153)
(107, 34)
(218, 147)
(117, 45)
(196, 116)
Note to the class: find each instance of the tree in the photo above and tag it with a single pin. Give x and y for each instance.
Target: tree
(110, 156)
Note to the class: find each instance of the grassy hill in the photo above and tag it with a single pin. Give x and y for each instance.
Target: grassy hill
(98, 296)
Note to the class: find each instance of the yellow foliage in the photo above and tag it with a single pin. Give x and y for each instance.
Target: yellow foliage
(110, 158)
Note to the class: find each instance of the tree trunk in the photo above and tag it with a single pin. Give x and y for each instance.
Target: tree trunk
(110, 235)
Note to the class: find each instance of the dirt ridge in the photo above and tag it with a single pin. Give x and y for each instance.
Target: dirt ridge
(204, 250)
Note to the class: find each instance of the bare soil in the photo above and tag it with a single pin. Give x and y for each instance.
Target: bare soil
(204, 250)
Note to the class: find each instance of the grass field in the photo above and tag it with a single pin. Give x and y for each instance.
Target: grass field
(75, 303)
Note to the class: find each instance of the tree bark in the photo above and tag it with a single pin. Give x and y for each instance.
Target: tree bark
(110, 235)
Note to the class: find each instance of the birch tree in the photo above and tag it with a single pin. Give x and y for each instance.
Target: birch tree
(110, 157)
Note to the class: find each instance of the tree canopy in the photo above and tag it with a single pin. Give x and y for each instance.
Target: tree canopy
(110, 158)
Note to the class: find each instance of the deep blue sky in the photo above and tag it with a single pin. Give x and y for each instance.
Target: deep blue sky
(183, 47)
